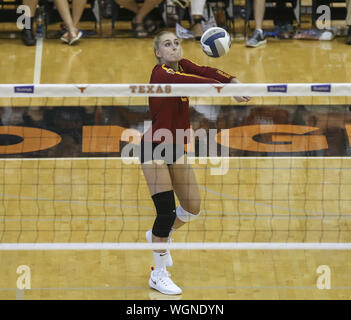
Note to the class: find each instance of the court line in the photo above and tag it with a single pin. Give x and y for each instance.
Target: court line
(76, 202)
(314, 214)
(151, 218)
(19, 294)
(136, 246)
(38, 61)
(184, 287)
(192, 158)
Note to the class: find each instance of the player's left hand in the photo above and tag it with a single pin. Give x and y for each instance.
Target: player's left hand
(242, 99)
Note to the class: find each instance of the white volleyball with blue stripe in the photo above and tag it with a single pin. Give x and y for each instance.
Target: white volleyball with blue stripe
(215, 42)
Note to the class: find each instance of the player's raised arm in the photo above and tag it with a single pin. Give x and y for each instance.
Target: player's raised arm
(165, 74)
(206, 71)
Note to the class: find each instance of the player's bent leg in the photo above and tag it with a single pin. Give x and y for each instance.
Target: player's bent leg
(187, 190)
(186, 216)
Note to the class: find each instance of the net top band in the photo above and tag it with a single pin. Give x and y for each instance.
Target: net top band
(174, 90)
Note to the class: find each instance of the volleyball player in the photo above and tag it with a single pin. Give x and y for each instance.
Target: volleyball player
(172, 176)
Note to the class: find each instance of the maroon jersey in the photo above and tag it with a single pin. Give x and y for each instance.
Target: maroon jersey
(172, 113)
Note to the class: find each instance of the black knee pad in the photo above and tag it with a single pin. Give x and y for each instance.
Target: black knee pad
(166, 213)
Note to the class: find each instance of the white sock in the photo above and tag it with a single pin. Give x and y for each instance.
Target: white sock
(260, 30)
(160, 260)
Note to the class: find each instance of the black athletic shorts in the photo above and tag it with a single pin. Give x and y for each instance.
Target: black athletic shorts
(170, 153)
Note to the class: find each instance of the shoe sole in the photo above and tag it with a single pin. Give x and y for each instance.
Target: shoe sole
(64, 39)
(76, 39)
(153, 286)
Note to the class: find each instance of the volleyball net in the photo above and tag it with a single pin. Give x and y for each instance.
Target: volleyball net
(274, 173)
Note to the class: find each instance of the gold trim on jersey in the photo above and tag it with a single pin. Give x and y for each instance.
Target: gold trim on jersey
(224, 74)
(171, 71)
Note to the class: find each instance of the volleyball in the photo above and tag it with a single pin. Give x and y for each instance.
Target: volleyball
(215, 42)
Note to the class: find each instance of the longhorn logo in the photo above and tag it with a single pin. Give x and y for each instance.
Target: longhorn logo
(82, 89)
(219, 88)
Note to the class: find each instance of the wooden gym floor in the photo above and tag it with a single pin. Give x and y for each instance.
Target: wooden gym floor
(312, 205)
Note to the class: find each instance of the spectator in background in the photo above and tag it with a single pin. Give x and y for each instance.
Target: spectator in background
(107, 8)
(141, 24)
(27, 35)
(348, 21)
(258, 37)
(283, 20)
(197, 9)
(71, 21)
